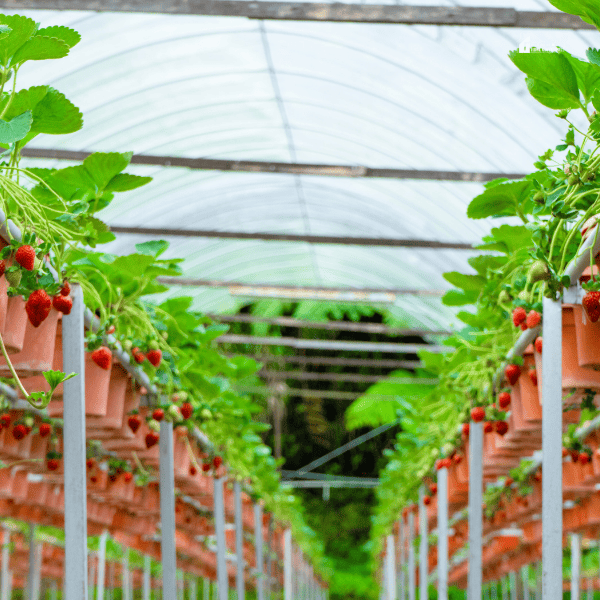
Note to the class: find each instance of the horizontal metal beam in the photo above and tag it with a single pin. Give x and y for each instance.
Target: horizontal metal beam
(376, 328)
(255, 166)
(347, 377)
(287, 237)
(231, 338)
(307, 393)
(301, 11)
(320, 476)
(333, 360)
(305, 483)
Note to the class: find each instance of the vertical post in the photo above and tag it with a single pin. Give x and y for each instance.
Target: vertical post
(205, 589)
(92, 571)
(192, 588)
(442, 528)
(76, 585)
(401, 561)
(31, 577)
(258, 541)
(525, 582)
(287, 565)
(54, 590)
(101, 565)
(552, 518)
(269, 557)
(412, 583)
(222, 578)
(5, 564)
(423, 562)
(504, 584)
(239, 540)
(575, 565)
(390, 562)
(125, 575)
(475, 509)
(512, 578)
(146, 578)
(167, 511)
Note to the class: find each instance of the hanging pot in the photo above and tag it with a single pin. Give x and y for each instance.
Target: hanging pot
(15, 324)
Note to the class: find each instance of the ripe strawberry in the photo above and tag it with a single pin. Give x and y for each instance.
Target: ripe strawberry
(466, 427)
(574, 455)
(112, 477)
(564, 452)
(217, 462)
(102, 357)
(5, 419)
(45, 429)
(538, 345)
(134, 422)
(154, 356)
(52, 464)
(193, 470)
(426, 500)
(533, 319)
(62, 304)
(488, 427)
(206, 467)
(186, 410)
(457, 459)
(512, 373)
(25, 256)
(90, 463)
(94, 479)
(501, 427)
(152, 439)
(478, 414)
(518, 316)
(533, 376)
(503, 399)
(591, 304)
(523, 326)
(65, 290)
(158, 414)
(19, 431)
(537, 476)
(2, 267)
(38, 307)
(433, 489)
(508, 482)
(584, 458)
(127, 476)
(139, 357)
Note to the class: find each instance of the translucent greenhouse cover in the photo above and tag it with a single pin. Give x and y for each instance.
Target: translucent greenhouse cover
(398, 96)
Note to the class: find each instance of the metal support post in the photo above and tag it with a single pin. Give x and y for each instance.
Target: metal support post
(92, 571)
(390, 568)
(504, 584)
(101, 565)
(512, 578)
(5, 564)
(258, 541)
(552, 518)
(287, 565)
(442, 529)
(167, 511)
(423, 561)
(33, 565)
(222, 578)
(575, 566)
(205, 589)
(412, 580)
(54, 590)
(192, 588)
(125, 575)
(76, 584)
(401, 565)
(146, 581)
(269, 557)
(239, 540)
(475, 510)
(525, 582)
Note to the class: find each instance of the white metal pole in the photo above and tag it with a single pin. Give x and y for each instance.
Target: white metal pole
(92, 571)
(146, 579)
(552, 517)
(167, 511)
(504, 585)
(192, 588)
(76, 584)
(205, 589)
(31, 577)
(287, 565)
(512, 578)
(575, 565)
(423, 570)
(525, 582)
(475, 510)
(390, 561)
(125, 576)
(401, 565)
(5, 564)
(54, 590)
(412, 580)
(442, 528)
(258, 541)
(239, 540)
(222, 578)
(101, 565)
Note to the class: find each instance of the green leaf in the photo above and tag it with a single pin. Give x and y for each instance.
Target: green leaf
(549, 96)
(456, 298)
(103, 166)
(21, 29)
(501, 200)
(40, 48)
(55, 114)
(552, 68)
(124, 182)
(66, 34)
(15, 129)
(152, 248)
(588, 76)
(588, 10)
(55, 378)
(469, 283)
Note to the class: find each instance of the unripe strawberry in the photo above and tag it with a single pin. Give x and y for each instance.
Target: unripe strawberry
(174, 413)
(13, 278)
(478, 414)
(153, 345)
(25, 256)
(503, 400)
(538, 272)
(153, 425)
(512, 373)
(206, 414)
(38, 307)
(102, 357)
(62, 304)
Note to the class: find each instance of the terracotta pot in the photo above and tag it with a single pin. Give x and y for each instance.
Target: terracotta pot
(530, 394)
(15, 325)
(113, 420)
(588, 339)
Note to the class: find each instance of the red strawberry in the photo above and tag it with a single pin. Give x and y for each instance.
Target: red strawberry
(217, 462)
(2, 267)
(65, 290)
(102, 357)
(574, 455)
(52, 464)
(564, 452)
(433, 489)
(584, 458)
(426, 500)
(38, 307)
(134, 422)
(458, 459)
(90, 463)
(533, 319)
(19, 431)
(139, 357)
(94, 479)
(591, 303)
(466, 427)
(63, 304)
(25, 256)
(533, 376)
(186, 410)
(206, 467)
(5, 419)
(508, 481)
(111, 330)
(538, 476)
(512, 373)
(45, 429)
(478, 414)
(112, 477)
(158, 414)
(154, 356)
(538, 345)
(151, 439)
(518, 316)
(503, 399)
(523, 326)
(128, 476)
(488, 427)
(501, 427)
(193, 470)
